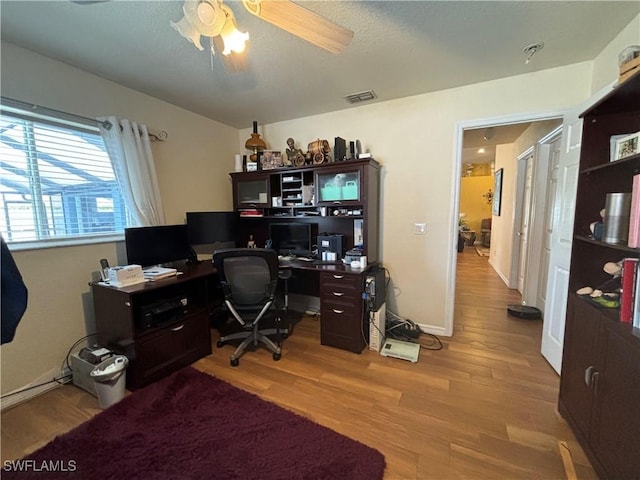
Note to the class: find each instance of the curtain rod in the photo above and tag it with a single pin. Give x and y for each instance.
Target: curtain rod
(154, 137)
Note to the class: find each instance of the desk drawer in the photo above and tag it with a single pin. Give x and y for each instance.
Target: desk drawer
(340, 285)
(169, 349)
(341, 324)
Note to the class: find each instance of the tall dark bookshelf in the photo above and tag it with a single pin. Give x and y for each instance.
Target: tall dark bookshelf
(600, 381)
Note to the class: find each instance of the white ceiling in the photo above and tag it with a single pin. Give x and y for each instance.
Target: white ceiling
(399, 49)
(487, 139)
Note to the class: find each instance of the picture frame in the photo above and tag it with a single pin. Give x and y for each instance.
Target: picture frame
(271, 159)
(627, 146)
(497, 192)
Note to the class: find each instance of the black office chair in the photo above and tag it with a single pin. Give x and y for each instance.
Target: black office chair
(249, 280)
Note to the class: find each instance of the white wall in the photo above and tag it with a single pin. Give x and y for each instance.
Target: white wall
(413, 138)
(192, 165)
(502, 225)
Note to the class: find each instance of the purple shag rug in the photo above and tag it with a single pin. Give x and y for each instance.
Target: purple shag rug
(191, 425)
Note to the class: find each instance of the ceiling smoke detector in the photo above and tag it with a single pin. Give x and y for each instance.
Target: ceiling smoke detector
(531, 50)
(489, 133)
(360, 96)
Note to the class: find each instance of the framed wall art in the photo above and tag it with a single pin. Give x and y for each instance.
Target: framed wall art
(497, 192)
(626, 146)
(271, 159)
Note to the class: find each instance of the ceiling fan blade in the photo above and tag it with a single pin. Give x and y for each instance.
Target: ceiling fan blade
(303, 23)
(234, 62)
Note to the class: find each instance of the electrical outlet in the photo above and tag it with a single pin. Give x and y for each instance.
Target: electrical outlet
(420, 228)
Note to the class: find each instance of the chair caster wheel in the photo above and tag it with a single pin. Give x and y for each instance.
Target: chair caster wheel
(235, 362)
(277, 356)
(219, 344)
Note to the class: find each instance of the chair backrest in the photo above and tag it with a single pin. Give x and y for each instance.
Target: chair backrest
(249, 276)
(485, 224)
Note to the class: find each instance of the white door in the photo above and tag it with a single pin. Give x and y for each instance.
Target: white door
(554, 153)
(523, 231)
(562, 234)
(561, 238)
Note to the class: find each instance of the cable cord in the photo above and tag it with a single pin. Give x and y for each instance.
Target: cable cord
(62, 379)
(57, 380)
(399, 321)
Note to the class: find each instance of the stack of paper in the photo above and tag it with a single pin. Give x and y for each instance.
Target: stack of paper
(157, 273)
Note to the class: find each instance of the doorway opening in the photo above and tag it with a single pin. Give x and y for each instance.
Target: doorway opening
(512, 147)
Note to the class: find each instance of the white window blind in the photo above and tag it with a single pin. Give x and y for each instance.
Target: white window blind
(56, 181)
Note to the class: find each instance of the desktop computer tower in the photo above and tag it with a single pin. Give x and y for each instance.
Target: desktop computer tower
(375, 287)
(377, 326)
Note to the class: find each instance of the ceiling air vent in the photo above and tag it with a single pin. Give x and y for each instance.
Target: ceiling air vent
(360, 96)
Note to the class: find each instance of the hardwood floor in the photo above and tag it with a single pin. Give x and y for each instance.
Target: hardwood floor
(482, 407)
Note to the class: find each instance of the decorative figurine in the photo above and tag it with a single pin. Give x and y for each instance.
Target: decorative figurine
(319, 151)
(251, 243)
(294, 155)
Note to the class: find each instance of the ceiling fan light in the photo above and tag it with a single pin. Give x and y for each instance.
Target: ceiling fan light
(206, 13)
(234, 40)
(188, 31)
(207, 16)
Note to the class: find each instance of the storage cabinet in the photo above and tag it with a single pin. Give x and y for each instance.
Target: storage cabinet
(252, 192)
(600, 381)
(160, 326)
(340, 197)
(338, 186)
(342, 310)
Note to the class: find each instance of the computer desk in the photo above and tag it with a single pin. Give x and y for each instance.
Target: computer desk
(343, 313)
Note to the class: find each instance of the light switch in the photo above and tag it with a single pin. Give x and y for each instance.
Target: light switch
(420, 228)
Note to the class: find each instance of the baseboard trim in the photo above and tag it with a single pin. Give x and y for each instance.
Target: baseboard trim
(22, 395)
(439, 331)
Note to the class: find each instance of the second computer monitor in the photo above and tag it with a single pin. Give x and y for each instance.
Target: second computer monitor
(210, 230)
(292, 238)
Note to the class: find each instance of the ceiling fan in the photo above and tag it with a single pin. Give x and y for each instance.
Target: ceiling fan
(214, 19)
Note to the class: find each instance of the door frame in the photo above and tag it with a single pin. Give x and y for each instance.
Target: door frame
(459, 129)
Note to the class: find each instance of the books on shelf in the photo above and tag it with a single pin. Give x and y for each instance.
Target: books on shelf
(251, 213)
(635, 312)
(634, 215)
(629, 290)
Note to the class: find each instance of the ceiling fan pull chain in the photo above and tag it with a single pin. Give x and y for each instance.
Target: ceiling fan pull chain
(212, 50)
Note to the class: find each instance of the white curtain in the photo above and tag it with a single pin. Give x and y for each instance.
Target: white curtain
(129, 149)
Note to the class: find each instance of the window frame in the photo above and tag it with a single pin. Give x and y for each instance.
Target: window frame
(55, 119)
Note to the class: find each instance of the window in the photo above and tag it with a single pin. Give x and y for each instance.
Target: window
(56, 181)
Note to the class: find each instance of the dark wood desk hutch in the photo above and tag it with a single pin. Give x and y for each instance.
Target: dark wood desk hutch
(340, 198)
(600, 382)
(160, 326)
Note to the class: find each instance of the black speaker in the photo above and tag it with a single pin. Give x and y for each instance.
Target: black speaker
(340, 149)
(352, 149)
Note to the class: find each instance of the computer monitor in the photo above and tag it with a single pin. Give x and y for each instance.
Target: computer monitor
(157, 245)
(211, 230)
(291, 238)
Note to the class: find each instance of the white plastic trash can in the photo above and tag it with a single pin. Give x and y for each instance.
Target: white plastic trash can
(110, 378)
